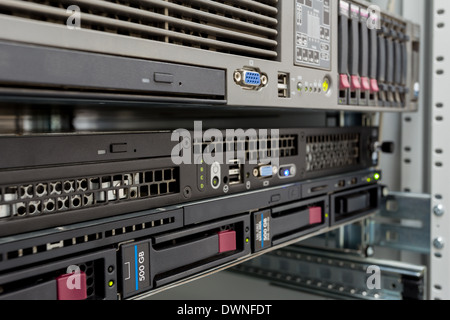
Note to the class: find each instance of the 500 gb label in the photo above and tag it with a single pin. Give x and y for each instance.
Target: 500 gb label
(135, 267)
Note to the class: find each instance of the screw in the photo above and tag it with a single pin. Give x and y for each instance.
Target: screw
(438, 243)
(439, 210)
(302, 136)
(237, 76)
(264, 80)
(275, 170)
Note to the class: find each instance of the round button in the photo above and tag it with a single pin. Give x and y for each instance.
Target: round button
(293, 171)
(215, 169)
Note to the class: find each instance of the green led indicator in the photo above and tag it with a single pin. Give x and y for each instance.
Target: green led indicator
(369, 180)
(247, 240)
(111, 283)
(377, 176)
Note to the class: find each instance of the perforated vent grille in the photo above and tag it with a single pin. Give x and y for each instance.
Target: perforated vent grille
(36, 249)
(252, 147)
(50, 197)
(239, 27)
(91, 269)
(324, 152)
(94, 271)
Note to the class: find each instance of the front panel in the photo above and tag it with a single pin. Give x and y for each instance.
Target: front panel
(136, 254)
(290, 55)
(63, 179)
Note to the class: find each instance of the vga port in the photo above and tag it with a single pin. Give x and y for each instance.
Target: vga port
(250, 79)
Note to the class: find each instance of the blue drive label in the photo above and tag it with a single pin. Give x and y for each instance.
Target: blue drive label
(262, 236)
(135, 268)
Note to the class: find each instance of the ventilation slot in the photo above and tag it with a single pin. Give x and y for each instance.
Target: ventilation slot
(89, 238)
(252, 147)
(23, 252)
(139, 227)
(247, 28)
(326, 152)
(52, 197)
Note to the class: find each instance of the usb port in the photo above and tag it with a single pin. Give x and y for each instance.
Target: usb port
(283, 85)
(235, 172)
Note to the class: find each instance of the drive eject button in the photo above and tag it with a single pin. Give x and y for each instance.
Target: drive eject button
(163, 77)
(119, 148)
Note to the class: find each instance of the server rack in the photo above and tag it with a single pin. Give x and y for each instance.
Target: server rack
(213, 99)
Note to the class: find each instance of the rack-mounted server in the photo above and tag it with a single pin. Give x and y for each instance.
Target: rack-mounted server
(136, 254)
(55, 180)
(285, 54)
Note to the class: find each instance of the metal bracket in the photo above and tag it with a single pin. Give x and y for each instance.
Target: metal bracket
(403, 223)
(337, 275)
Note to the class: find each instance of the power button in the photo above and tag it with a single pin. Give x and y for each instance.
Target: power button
(215, 175)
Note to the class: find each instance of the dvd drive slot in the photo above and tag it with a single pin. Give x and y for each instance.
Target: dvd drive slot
(26, 65)
(59, 149)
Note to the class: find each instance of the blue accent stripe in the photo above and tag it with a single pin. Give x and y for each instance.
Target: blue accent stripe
(136, 266)
(262, 230)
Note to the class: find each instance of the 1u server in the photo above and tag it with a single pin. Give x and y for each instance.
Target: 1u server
(53, 180)
(137, 254)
